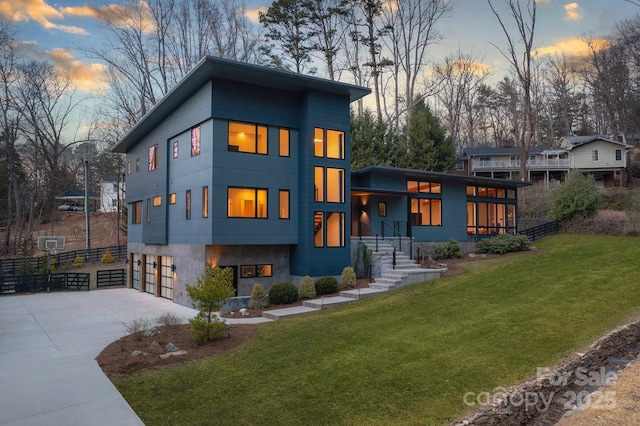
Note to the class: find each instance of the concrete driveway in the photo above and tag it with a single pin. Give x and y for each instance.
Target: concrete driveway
(48, 345)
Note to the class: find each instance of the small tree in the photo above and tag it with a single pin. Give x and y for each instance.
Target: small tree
(307, 288)
(578, 195)
(107, 257)
(367, 259)
(259, 298)
(212, 291)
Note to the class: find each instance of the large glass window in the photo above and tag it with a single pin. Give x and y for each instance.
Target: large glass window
(426, 212)
(424, 187)
(284, 142)
(247, 202)
(329, 227)
(150, 267)
(250, 138)
(195, 141)
(318, 229)
(283, 204)
(329, 141)
(251, 271)
(153, 157)
(331, 179)
(136, 212)
(166, 277)
(205, 201)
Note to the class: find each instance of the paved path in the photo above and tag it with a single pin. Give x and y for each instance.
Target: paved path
(48, 345)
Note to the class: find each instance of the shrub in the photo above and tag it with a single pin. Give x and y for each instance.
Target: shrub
(107, 257)
(348, 278)
(504, 243)
(258, 298)
(77, 262)
(307, 288)
(604, 222)
(283, 293)
(211, 292)
(578, 195)
(43, 268)
(136, 325)
(449, 250)
(326, 285)
(367, 259)
(168, 319)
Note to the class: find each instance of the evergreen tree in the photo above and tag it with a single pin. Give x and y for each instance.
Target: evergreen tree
(427, 145)
(371, 143)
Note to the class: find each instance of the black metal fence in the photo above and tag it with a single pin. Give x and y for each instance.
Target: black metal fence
(15, 266)
(540, 231)
(110, 278)
(43, 283)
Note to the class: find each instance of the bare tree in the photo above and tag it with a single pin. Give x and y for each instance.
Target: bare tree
(412, 25)
(328, 26)
(525, 22)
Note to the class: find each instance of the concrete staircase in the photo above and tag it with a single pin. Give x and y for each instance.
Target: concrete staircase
(406, 272)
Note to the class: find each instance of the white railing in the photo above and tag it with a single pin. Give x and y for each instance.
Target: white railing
(548, 163)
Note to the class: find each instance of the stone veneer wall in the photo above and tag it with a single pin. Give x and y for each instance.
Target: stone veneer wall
(504, 412)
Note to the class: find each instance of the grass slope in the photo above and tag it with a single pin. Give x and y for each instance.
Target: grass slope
(410, 356)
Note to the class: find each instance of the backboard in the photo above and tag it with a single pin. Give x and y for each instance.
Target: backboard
(51, 243)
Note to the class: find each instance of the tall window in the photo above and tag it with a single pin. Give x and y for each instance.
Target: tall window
(247, 202)
(330, 142)
(283, 206)
(172, 198)
(251, 138)
(205, 201)
(153, 157)
(148, 210)
(331, 179)
(594, 155)
(618, 155)
(175, 149)
(426, 212)
(138, 164)
(188, 204)
(329, 227)
(195, 141)
(136, 212)
(284, 143)
(129, 168)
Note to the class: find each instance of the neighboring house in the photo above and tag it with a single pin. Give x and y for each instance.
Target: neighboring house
(249, 168)
(110, 191)
(604, 158)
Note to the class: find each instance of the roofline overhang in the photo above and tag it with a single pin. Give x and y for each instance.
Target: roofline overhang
(210, 68)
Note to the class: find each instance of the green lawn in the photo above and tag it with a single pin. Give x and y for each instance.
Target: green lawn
(410, 356)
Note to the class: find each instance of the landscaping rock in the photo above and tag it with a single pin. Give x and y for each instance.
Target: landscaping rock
(168, 354)
(171, 347)
(151, 332)
(155, 348)
(139, 353)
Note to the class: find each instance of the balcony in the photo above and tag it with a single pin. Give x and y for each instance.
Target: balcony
(506, 165)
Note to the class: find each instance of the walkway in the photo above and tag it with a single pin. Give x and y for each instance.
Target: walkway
(48, 345)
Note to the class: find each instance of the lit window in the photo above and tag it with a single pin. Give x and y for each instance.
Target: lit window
(247, 202)
(594, 155)
(175, 149)
(250, 138)
(284, 142)
(471, 191)
(335, 229)
(382, 209)
(335, 144)
(335, 185)
(195, 141)
(157, 201)
(188, 205)
(205, 201)
(318, 142)
(318, 229)
(172, 198)
(136, 212)
(153, 157)
(318, 186)
(283, 207)
(425, 187)
(426, 212)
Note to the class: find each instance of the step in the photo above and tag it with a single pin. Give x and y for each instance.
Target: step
(277, 314)
(328, 302)
(362, 293)
(382, 286)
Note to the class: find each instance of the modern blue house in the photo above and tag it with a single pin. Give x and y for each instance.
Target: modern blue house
(248, 167)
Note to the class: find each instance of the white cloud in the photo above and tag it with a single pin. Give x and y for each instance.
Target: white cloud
(573, 12)
(36, 10)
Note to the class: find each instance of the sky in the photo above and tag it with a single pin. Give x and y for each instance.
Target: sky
(57, 29)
